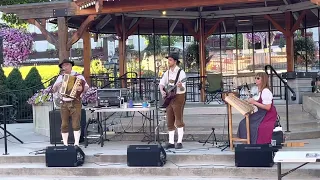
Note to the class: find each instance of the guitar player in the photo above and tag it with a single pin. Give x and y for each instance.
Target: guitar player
(70, 107)
(176, 106)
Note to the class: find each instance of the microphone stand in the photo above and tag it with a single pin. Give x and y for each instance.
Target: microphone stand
(157, 133)
(54, 109)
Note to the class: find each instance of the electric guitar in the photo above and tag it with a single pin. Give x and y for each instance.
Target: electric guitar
(171, 93)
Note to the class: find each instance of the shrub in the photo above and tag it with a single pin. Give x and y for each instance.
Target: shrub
(33, 80)
(14, 80)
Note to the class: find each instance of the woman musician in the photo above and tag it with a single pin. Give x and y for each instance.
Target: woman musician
(261, 122)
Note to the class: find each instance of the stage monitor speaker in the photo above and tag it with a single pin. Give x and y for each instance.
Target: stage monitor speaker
(254, 155)
(146, 155)
(64, 156)
(1, 50)
(55, 122)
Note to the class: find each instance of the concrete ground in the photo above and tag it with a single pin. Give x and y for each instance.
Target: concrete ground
(193, 162)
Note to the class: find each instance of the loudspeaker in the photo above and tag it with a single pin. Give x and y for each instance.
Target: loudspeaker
(254, 155)
(64, 156)
(1, 50)
(146, 155)
(55, 122)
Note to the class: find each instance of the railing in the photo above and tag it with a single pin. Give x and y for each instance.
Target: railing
(286, 86)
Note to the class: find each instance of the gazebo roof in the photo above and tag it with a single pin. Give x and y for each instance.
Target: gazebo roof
(233, 13)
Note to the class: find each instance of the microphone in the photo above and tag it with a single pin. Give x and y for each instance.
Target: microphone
(61, 71)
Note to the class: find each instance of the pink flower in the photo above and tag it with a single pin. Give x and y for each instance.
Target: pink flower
(17, 45)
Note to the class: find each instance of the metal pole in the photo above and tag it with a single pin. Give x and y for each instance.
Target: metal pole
(5, 133)
(287, 108)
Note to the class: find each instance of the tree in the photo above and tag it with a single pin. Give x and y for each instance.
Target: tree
(3, 88)
(12, 19)
(304, 49)
(14, 80)
(173, 40)
(160, 41)
(232, 41)
(33, 80)
(282, 42)
(150, 45)
(192, 57)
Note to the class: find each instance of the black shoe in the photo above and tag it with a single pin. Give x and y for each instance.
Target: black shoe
(179, 146)
(169, 146)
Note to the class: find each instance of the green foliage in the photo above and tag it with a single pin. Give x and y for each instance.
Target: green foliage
(12, 19)
(14, 80)
(232, 41)
(147, 74)
(150, 45)
(282, 42)
(173, 40)
(3, 88)
(96, 67)
(160, 41)
(33, 80)
(302, 47)
(192, 57)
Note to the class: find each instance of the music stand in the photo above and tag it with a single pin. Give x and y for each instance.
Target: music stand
(214, 140)
(5, 130)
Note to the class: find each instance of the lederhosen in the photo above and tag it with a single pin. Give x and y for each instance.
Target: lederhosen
(73, 109)
(175, 109)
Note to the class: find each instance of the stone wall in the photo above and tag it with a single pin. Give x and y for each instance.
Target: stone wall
(311, 104)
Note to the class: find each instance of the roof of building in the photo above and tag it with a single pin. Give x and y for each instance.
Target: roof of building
(246, 16)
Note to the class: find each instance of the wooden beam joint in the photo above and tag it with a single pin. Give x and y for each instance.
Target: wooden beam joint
(134, 27)
(49, 37)
(77, 35)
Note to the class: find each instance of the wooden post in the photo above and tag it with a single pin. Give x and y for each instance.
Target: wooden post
(289, 42)
(202, 58)
(288, 32)
(64, 52)
(86, 55)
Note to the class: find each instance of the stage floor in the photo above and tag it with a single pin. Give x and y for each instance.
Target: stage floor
(34, 142)
(193, 162)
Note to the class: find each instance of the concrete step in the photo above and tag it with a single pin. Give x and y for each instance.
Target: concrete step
(203, 135)
(134, 178)
(171, 169)
(122, 158)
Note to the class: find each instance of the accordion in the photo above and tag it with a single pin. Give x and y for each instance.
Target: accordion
(69, 86)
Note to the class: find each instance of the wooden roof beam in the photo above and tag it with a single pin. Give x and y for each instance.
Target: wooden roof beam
(225, 13)
(49, 37)
(103, 22)
(134, 28)
(213, 28)
(275, 24)
(77, 35)
(298, 22)
(147, 5)
(187, 24)
(174, 23)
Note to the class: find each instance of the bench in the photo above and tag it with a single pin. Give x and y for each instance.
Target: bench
(304, 157)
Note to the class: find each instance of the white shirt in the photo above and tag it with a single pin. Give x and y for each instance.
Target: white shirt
(169, 80)
(266, 96)
(73, 73)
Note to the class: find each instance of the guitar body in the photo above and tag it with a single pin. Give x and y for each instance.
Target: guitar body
(170, 95)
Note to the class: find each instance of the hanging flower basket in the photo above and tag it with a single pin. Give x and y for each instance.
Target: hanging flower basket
(17, 46)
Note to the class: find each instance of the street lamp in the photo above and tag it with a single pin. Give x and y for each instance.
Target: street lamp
(113, 63)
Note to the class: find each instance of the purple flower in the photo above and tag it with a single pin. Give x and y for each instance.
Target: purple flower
(17, 45)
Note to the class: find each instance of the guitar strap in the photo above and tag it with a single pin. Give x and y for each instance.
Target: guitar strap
(175, 82)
